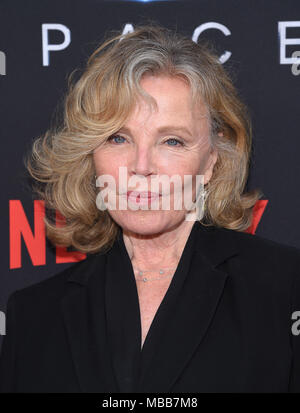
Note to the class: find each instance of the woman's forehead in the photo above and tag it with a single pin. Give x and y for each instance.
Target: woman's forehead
(172, 103)
(166, 116)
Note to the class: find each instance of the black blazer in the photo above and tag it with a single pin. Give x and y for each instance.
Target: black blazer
(224, 325)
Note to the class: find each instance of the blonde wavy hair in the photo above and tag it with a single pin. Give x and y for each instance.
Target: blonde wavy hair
(98, 104)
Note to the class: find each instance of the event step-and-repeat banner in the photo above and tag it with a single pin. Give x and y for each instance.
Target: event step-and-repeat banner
(41, 42)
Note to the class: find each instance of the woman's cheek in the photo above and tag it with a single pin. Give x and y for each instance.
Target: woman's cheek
(171, 161)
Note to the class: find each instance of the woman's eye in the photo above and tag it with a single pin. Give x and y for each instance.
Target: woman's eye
(116, 139)
(174, 142)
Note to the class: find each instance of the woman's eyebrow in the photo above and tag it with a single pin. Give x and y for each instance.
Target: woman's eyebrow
(164, 129)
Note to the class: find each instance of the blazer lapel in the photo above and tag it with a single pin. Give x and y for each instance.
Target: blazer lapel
(190, 316)
(84, 317)
(90, 302)
(123, 317)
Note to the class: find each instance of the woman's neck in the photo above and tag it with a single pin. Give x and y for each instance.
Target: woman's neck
(157, 250)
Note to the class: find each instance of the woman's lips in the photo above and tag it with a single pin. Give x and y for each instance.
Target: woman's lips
(144, 194)
(142, 197)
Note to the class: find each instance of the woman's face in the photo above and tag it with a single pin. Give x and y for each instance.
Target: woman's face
(173, 140)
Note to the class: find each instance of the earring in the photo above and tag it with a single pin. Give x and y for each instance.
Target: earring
(198, 212)
(201, 204)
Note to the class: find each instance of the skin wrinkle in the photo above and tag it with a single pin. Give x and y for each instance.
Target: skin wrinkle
(157, 238)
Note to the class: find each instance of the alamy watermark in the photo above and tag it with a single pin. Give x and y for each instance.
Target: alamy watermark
(2, 323)
(296, 324)
(296, 63)
(2, 63)
(134, 193)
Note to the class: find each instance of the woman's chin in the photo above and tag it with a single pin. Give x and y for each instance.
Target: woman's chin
(146, 222)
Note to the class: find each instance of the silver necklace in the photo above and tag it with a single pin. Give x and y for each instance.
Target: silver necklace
(141, 274)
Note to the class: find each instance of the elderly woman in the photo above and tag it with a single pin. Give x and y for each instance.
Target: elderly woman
(172, 297)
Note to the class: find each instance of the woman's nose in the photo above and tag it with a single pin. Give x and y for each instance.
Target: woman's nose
(143, 161)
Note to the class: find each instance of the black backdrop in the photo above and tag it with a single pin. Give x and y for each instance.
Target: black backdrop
(255, 34)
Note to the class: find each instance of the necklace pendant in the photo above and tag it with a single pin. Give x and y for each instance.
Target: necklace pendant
(145, 279)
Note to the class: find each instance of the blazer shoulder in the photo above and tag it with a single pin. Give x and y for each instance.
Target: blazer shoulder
(266, 252)
(248, 240)
(54, 286)
(261, 263)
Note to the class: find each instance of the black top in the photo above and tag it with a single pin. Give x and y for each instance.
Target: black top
(123, 316)
(224, 325)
